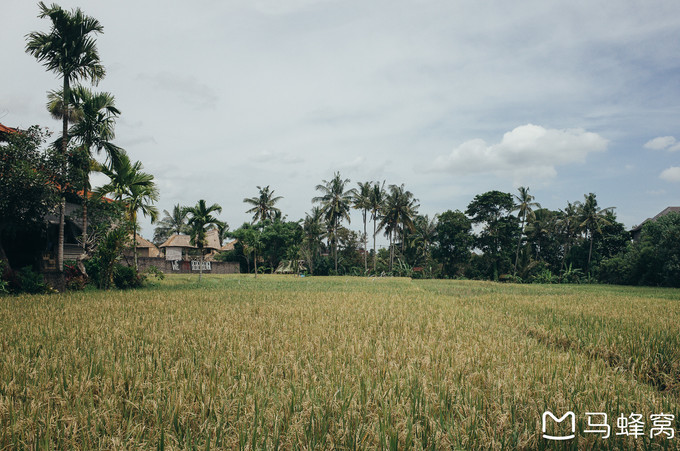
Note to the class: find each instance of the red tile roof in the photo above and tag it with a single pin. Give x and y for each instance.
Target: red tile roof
(4, 129)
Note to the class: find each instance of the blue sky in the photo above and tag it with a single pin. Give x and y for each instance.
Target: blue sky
(451, 98)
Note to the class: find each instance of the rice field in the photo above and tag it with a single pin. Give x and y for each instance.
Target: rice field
(336, 363)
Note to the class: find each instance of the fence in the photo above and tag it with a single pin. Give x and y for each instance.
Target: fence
(186, 267)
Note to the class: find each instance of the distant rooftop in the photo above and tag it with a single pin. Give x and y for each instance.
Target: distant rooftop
(663, 213)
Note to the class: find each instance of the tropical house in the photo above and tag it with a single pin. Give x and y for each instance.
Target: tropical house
(146, 248)
(179, 247)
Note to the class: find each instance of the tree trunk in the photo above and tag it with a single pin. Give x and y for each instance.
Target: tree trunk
(60, 242)
(365, 245)
(590, 252)
(200, 268)
(86, 189)
(514, 272)
(391, 251)
(134, 242)
(375, 254)
(84, 221)
(64, 150)
(335, 248)
(255, 261)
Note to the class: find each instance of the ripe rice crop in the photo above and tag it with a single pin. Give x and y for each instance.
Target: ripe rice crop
(283, 362)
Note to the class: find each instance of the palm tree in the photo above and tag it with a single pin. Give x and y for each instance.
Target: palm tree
(567, 228)
(524, 208)
(377, 202)
(398, 214)
(313, 233)
(362, 201)
(263, 205)
(425, 235)
(94, 115)
(134, 188)
(591, 220)
(174, 222)
(69, 50)
(200, 220)
(335, 204)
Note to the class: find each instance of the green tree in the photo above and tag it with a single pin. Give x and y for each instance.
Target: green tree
(201, 220)
(500, 229)
(399, 210)
(524, 208)
(173, 223)
(454, 241)
(362, 202)
(27, 189)
(70, 50)
(568, 229)
(313, 234)
(281, 240)
(250, 237)
(652, 260)
(134, 188)
(544, 238)
(263, 205)
(377, 202)
(335, 203)
(424, 238)
(591, 220)
(94, 116)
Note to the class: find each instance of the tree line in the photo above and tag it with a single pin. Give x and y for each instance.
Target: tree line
(500, 236)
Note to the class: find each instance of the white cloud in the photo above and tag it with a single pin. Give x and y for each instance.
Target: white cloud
(528, 150)
(671, 174)
(668, 143)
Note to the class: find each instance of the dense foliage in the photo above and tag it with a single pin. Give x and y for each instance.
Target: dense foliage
(652, 260)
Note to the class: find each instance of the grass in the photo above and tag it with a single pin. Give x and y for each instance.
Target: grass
(348, 363)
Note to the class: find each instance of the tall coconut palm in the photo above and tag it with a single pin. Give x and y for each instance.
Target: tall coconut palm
(524, 207)
(94, 116)
(335, 203)
(313, 233)
(134, 188)
(70, 50)
(200, 221)
(377, 202)
(263, 205)
(398, 214)
(362, 201)
(592, 219)
(567, 227)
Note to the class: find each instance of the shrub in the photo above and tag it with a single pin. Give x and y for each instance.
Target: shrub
(30, 281)
(4, 283)
(153, 271)
(125, 277)
(545, 276)
(101, 266)
(75, 279)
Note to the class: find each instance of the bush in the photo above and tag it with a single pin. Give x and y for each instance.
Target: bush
(75, 279)
(153, 271)
(545, 276)
(30, 281)
(4, 282)
(101, 266)
(125, 277)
